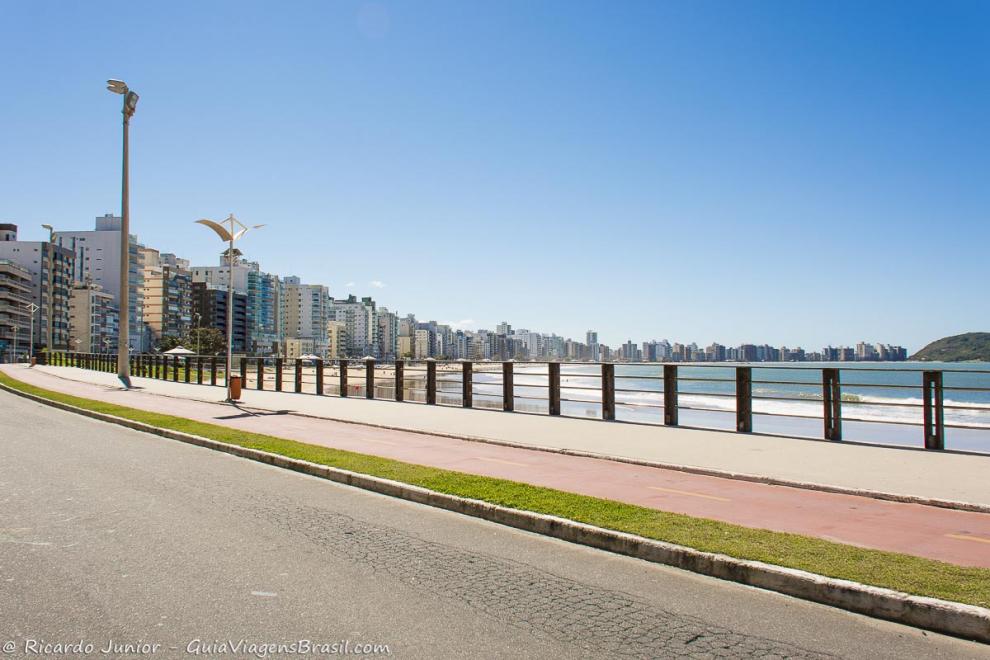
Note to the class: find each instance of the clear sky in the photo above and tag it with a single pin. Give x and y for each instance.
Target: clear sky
(786, 172)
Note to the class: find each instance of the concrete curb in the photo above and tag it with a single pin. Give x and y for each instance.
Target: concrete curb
(690, 469)
(940, 616)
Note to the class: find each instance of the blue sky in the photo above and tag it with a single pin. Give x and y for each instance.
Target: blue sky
(790, 172)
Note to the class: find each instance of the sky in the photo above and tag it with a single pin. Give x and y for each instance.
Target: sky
(796, 173)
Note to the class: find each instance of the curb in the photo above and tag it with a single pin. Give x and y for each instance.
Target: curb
(940, 616)
(689, 469)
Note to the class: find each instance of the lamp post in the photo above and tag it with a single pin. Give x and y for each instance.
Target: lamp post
(51, 285)
(197, 316)
(123, 363)
(32, 308)
(235, 231)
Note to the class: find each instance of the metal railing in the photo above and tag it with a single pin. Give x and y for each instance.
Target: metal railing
(650, 393)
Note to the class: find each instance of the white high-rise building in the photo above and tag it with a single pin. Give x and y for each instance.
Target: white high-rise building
(307, 310)
(359, 319)
(97, 260)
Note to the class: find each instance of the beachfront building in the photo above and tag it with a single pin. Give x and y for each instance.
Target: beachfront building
(422, 344)
(386, 335)
(50, 270)
(336, 339)
(296, 348)
(262, 292)
(97, 260)
(307, 310)
(15, 318)
(210, 311)
(360, 323)
(166, 295)
(93, 319)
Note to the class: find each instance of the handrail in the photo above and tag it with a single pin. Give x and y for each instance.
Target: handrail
(554, 384)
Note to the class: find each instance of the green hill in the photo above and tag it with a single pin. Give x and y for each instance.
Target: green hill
(959, 348)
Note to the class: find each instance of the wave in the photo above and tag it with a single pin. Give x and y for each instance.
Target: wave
(585, 390)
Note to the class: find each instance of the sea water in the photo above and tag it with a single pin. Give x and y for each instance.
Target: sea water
(881, 402)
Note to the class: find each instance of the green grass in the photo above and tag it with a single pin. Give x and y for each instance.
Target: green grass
(900, 572)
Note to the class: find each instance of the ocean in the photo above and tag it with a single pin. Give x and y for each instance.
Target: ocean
(881, 402)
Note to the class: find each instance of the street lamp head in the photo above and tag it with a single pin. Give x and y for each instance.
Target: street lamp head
(48, 227)
(130, 103)
(117, 86)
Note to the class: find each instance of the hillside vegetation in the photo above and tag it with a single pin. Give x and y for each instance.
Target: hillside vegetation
(958, 348)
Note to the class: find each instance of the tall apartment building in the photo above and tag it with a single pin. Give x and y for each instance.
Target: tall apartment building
(336, 339)
(591, 340)
(50, 268)
(210, 311)
(421, 344)
(94, 319)
(97, 260)
(361, 325)
(166, 295)
(387, 334)
(15, 319)
(307, 310)
(262, 292)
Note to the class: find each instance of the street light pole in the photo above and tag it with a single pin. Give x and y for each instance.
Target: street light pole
(51, 285)
(198, 330)
(123, 352)
(229, 236)
(33, 309)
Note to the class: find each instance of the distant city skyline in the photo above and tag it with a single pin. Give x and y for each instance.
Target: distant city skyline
(790, 174)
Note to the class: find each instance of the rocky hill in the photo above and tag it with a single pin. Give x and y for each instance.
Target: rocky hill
(958, 348)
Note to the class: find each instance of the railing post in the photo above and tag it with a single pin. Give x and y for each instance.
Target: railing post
(934, 410)
(467, 384)
(744, 399)
(554, 389)
(188, 369)
(431, 381)
(343, 378)
(244, 362)
(261, 373)
(175, 368)
(608, 391)
(319, 377)
(298, 375)
(832, 402)
(400, 380)
(199, 369)
(278, 374)
(508, 388)
(369, 378)
(670, 413)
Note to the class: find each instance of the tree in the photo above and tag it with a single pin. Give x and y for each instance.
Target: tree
(168, 342)
(209, 341)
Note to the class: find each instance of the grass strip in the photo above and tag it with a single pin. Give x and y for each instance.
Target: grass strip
(906, 573)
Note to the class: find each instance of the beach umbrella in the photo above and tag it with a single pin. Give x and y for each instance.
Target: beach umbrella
(179, 350)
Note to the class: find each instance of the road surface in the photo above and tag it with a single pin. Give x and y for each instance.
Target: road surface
(113, 537)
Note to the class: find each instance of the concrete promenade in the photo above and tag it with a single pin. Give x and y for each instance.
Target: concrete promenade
(954, 536)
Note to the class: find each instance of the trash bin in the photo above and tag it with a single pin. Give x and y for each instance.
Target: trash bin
(34, 361)
(235, 388)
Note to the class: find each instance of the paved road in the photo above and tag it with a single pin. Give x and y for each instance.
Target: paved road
(110, 534)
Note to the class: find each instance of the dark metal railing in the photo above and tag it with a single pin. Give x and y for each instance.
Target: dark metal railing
(550, 387)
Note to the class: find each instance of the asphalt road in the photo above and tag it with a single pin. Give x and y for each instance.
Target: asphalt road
(110, 536)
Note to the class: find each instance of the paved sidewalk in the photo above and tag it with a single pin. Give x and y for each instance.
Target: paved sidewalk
(903, 471)
(954, 536)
